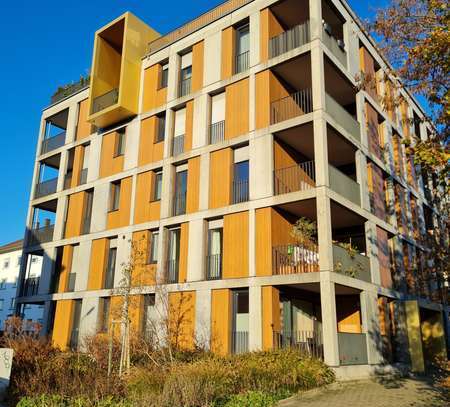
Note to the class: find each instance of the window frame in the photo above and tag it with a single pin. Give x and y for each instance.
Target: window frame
(157, 175)
(159, 138)
(114, 200)
(163, 81)
(120, 142)
(153, 242)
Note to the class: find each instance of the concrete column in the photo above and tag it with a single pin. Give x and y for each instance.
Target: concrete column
(94, 158)
(168, 133)
(133, 198)
(361, 117)
(48, 262)
(72, 118)
(213, 49)
(63, 202)
(174, 77)
(167, 184)
(254, 38)
(162, 247)
(203, 318)
(82, 266)
(329, 323)
(63, 162)
(123, 258)
(100, 207)
(261, 167)
(324, 230)
(372, 251)
(351, 41)
(371, 326)
(201, 115)
(255, 318)
(321, 150)
(196, 251)
(131, 145)
(317, 76)
(88, 318)
(361, 178)
(315, 18)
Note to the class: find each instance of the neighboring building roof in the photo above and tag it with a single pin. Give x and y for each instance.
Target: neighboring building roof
(12, 247)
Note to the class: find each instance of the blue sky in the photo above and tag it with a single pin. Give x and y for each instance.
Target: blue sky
(49, 43)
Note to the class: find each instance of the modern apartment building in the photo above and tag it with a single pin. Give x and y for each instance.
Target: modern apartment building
(203, 147)
(10, 260)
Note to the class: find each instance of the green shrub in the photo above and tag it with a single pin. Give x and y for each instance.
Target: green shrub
(252, 399)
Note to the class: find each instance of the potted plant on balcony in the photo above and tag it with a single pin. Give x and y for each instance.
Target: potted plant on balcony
(356, 267)
(303, 251)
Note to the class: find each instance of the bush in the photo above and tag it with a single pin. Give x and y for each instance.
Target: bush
(252, 399)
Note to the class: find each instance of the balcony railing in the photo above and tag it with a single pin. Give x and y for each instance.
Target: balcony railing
(217, 132)
(296, 104)
(214, 267)
(52, 143)
(289, 40)
(30, 287)
(295, 259)
(342, 117)
(172, 271)
(344, 185)
(239, 341)
(242, 62)
(240, 191)
(307, 342)
(185, 87)
(296, 178)
(106, 100)
(178, 145)
(352, 349)
(46, 188)
(352, 264)
(179, 204)
(337, 47)
(41, 235)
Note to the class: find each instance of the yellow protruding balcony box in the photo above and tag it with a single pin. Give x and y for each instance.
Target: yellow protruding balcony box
(116, 68)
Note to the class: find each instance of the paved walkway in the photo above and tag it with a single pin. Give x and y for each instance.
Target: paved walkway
(420, 392)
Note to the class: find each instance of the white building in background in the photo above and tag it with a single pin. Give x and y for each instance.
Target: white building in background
(10, 259)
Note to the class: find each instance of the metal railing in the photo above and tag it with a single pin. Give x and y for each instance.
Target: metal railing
(172, 271)
(352, 349)
(296, 104)
(342, 117)
(217, 132)
(295, 259)
(52, 143)
(206, 18)
(309, 343)
(185, 87)
(83, 176)
(296, 178)
(240, 191)
(179, 204)
(239, 341)
(289, 40)
(242, 62)
(353, 264)
(178, 145)
(30, 287)
(46, 188)
(214, 266)
(344, 185)
(337, 47)
(107, 99)
(71, 282)
(41, 235)
(68, 180)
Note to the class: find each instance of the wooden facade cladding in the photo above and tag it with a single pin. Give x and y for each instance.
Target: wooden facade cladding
(110, 163)
(269, 27)
(228, 52)
(373, 131)
(398, 156)
(121, 217)
(400, 209)
(188, 133)
(182, 319)
(184, 247)
(149, 149)
(376, 187)
(84, 128)
(235, 245)
(220, 177)
(75, 213)
(367, 64)
(193, 185)
(62, 325)
(98, 263)
(348, 314)
(135, 313)
(66, 267)
(197, 66)
(221, 321)
(144, 273)
(145, 208)
(154, 96)
(384, 258)
(237, 109)
(270, 298)
(77, 166)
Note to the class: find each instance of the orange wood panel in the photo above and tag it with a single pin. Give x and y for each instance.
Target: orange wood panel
(153, 96)
(270, 297)
(149, 150)
(182, 319)
(237, 109)
(367, 65)
(97, 267)
(220, 175)
(269, 27)
(221, 321)
(262, 99)
(66, 267)
(263, 242)
(197, 66)
(384, 258)
(62, 325)
(121, 217)
(189, 125)
(77, 166)
(348, 314)
(84, 128)
(193, 185)
(146, 210)
(144, 274)
(75, 214)
(228, 52)
(373, 134)
(184, 242)
(235, 245)
(109, 163)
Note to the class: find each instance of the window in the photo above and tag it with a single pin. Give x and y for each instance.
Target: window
(115, 196)
(12, 303)
(186, 74)
(214, 261)
(103, 319)
(179, 201)
(153, 249)
(1, 304)
(173, 255)
(150, 316)
(157, 187)
(111, 265)
(3, 284)
(161, 130)
(6, 263)
(34, 259)
(120, 143)
(88, 211)
(217, 129)
(240, 182)
(179, 131)
(240, 321)
(164, 79)
(75, 324)
(242, 47)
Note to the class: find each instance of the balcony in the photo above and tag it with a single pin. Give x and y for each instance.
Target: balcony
(289, 40)
(352, 349)
(179, 204)
(30, 287)
(296, 178)
(289, 107)
(239, 341)
(53, 143)
(104, 101)
(295, 259)
(351, 264)
(45, 188)
(309, 343)
(344, 185)
(336, 46)
(242, 62)
(217, 132)
(185, 87)
(214, 267)
(240, 191)
(178, 145)
(172, 271)
(342, 117)
(41, 235)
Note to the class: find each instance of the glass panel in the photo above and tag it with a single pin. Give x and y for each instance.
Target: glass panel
(111, 269)
(186, 73)
(181, 182)
(153, 258)
(241, 171)
(215, 241)
(243, 39)
(158, 186)
(115, 202)
(174, 244)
